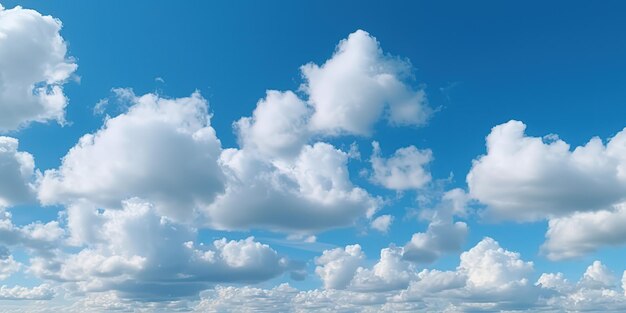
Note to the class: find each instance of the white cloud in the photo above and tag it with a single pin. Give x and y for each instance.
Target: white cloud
(580, 191)
(33, 68)
(598, 275)
(390, 273)
(8, 266)
(36, 236)
(443, 235)
(17, 173)
(488, 266)
(382, 223)
(530, 178)
(595, 291)
(406, 169)
(278, 126)
(585, 232)
(247, 299)
(162, 150)
(488, 278)
(142, 255)
(351, 90)
(41, 292)
(337, 267)
(624, 283)
(309, 193)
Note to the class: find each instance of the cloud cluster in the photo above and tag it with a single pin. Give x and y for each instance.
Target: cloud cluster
(41, 292)
(488, 278)
(135, 192)
(136, 189)
(143, 255)
(280, 178)
(162, 150)
(580, 191)
(33, 68)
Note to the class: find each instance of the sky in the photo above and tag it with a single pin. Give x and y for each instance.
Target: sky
(312, 156)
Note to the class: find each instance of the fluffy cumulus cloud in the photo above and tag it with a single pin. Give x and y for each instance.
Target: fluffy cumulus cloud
(309, 193)
(488, 278)
(33, 68)
(337, 267)
(382, 223)
(391, 272)
(530, 178)
(580, 190)
(596, 290)
(351, 90)
(406, 169)
(278, 126)
(162, 150)
(444, 235)
(142, 255)
(40, 238)
(585, 232)
(17, 173)
(488, 266)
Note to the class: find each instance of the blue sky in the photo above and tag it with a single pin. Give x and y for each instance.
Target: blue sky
(177, 148)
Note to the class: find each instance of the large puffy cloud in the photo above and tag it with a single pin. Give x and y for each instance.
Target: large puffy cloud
(309, 193)
(33, 68)
(443, 235)
(278, 126)
(17, 173)
(337, 267)
(391, 272)
(344, 269)
(404, 170)
(489, 266)
(162, 150)
(488, 278)
(585, 232)
(580, 191)
(530, 178)
(351, 90)
(142, 255)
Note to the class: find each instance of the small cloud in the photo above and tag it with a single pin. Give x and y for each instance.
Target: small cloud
(382, 223)
(100, 106)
